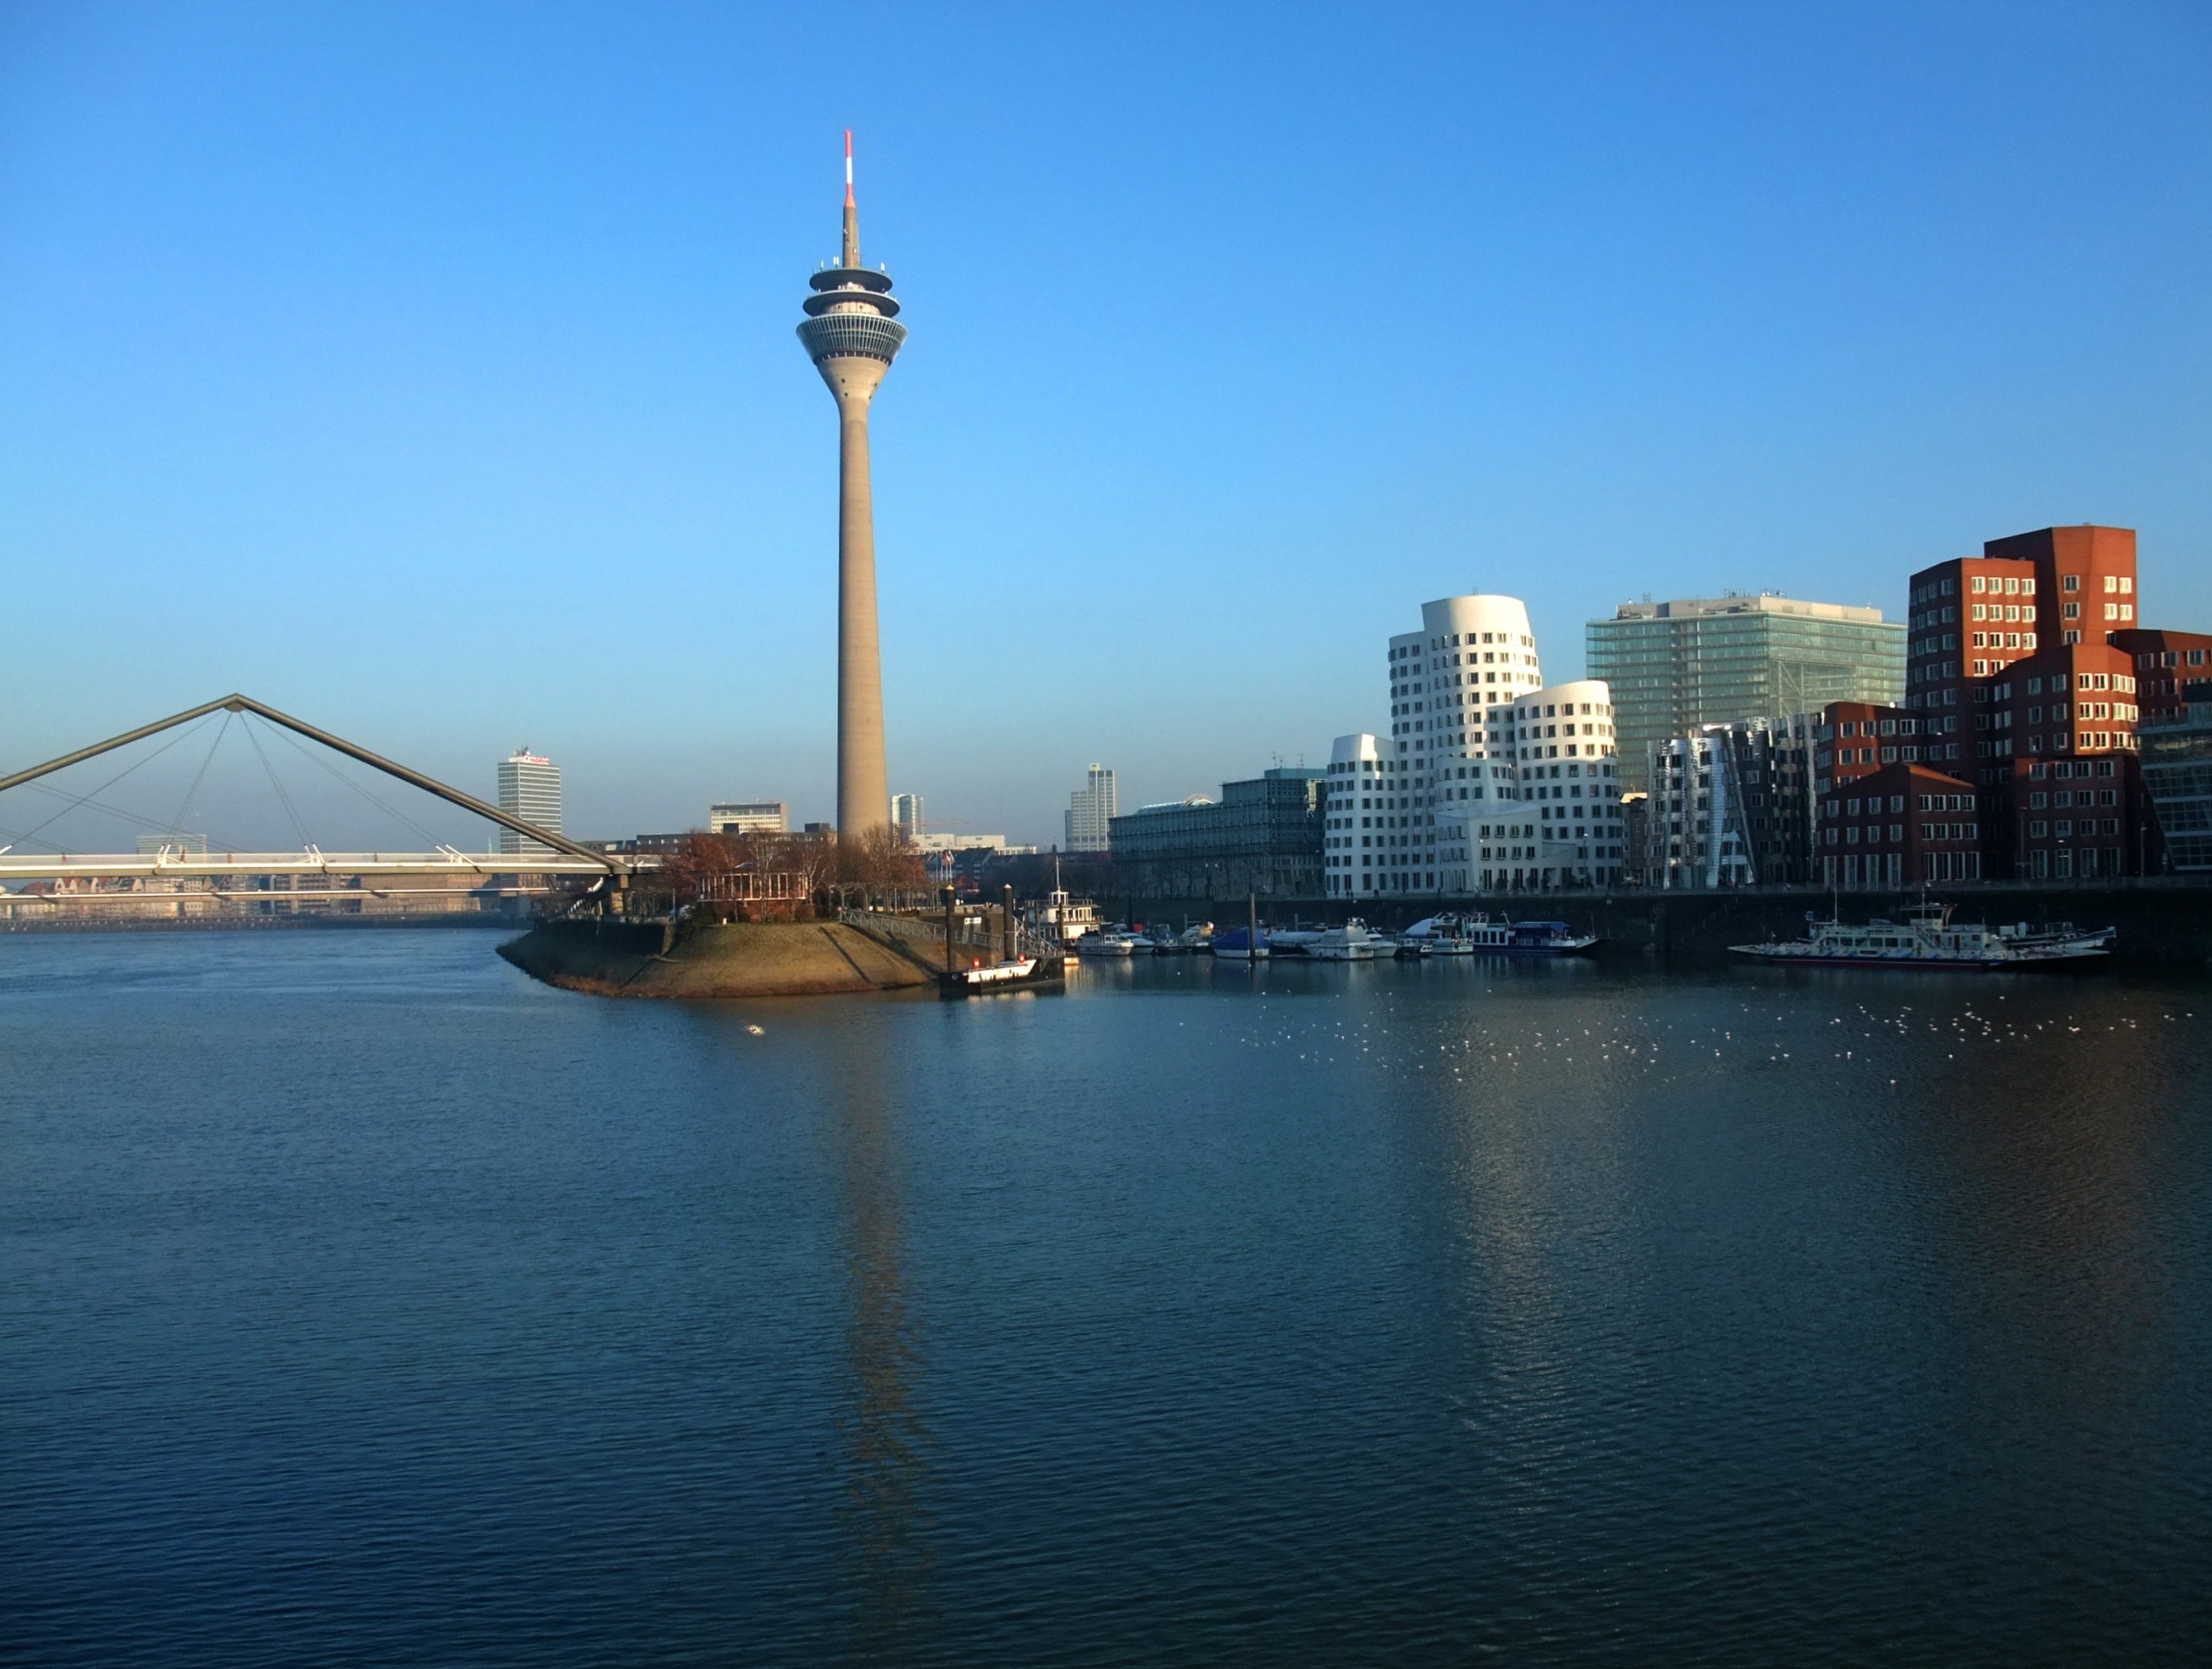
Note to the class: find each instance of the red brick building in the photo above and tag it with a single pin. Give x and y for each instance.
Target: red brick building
(1899, 826)
(2024, 666)
(1854, 739)
(2166, 662)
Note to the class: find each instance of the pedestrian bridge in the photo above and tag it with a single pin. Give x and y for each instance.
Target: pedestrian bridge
(185, 868)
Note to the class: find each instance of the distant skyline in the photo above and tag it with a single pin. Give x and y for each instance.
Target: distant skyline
(428, 372)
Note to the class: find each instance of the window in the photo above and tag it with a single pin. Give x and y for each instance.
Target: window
(2072, 582)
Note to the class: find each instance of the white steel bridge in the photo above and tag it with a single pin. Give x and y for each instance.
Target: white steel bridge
(187, 870)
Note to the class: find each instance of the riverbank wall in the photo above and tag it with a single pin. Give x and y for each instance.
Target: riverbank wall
(2161, 922)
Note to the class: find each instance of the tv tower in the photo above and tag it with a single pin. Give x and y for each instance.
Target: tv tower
(852, 335)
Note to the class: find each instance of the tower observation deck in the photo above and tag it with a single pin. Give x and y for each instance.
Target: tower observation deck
(851, 333)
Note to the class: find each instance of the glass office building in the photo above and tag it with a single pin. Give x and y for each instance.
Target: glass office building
(2176, 770)
(1675, 667)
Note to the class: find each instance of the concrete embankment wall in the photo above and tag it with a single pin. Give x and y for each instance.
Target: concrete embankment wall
(2161, 922)
(742, 958)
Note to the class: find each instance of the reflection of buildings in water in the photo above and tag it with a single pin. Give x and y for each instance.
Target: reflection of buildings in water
(1540, 1177)
(2045, 1119)
(881, 1440)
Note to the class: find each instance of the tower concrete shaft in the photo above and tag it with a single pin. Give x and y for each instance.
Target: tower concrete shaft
(852, 335)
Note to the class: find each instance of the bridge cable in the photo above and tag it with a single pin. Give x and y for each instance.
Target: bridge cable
(123, 813)
(192, 793)
(298, 827)
(391, 812)
(72, 801)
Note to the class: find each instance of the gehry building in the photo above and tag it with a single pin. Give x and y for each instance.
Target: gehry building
(1489, 780)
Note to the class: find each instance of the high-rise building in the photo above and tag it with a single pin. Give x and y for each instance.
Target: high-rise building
(530, 789)
(1090, 811)
(748, 817)
(906, 818)
(852, 334)
(1675, 667)
(2024, 671)
(1470, 720)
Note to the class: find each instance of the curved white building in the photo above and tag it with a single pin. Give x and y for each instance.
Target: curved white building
(1423, 810)
(1564, 826)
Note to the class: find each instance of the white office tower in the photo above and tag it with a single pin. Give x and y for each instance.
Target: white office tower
(906, 818)
(1090, 811)
(530, 789)
(1451, 682)
(1437, 806)
(1564, 826)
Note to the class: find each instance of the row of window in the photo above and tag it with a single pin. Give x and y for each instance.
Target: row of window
(2065, 827)
(1850, 837)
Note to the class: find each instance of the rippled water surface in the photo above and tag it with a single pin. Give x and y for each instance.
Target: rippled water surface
(361, 1301)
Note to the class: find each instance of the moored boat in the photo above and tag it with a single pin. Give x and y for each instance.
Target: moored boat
(1238, 945)
(1351, 942)
(1546, 939)
(1113, 941)
(1929, 938)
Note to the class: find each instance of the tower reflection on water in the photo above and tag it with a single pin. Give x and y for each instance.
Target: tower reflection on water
(882, 1445)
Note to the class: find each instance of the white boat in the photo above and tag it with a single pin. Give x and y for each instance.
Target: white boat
(1929, 938)
(1063, 917)
(1113, 941)
(1000, 973)
(1294, 941)
(1351, 942)
(1195, 938)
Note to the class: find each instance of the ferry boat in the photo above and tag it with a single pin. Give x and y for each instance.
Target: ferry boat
(1470, 936)
(1236, 946)
(1351, 942)
(1929, 938)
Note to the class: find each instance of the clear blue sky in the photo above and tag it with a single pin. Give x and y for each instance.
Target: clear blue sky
(428, 371)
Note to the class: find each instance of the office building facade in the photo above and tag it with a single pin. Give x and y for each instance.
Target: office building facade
(906, 818)
(1262, 836)
(2177, 772)
(1730, 805)
(1673, 667)
(1461, 796)
(530, 789)
(1090, 810)
(748, 817)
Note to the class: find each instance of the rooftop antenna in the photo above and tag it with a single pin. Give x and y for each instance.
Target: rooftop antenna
(852, 210)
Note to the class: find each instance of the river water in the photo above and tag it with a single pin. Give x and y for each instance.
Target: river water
(362, 1301)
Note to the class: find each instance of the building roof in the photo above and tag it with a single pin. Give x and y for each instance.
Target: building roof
(1766, 602)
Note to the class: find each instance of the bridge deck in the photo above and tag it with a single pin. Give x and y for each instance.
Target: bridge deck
(172, 865)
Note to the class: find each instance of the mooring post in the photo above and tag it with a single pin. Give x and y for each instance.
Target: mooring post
(1006, 920)
(952, 957)
(1252, 929)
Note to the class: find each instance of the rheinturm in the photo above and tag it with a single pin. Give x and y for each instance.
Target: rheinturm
(852, 334)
